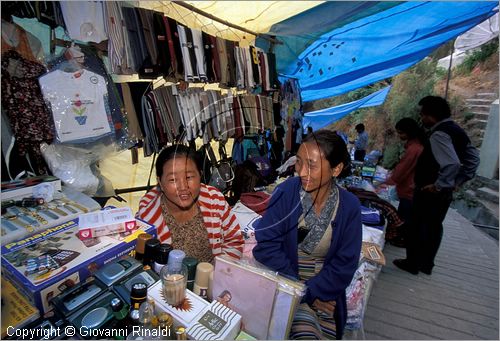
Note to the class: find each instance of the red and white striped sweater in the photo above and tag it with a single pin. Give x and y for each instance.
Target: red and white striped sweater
(223, 229)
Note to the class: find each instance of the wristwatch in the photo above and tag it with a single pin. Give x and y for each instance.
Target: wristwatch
(35, 215)
(17, 222)
(77, 205)
(56, 210)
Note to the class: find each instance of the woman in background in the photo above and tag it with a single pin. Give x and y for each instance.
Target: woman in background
(188, 214)
(311, 231)
(402, 176)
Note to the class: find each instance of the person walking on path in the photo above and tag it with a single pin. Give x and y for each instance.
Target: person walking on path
(447, 161)
(361, 143)
(402, 175)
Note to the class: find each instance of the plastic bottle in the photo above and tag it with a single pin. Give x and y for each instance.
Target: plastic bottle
(161, 258)
(175, 258)
(150, 250)
(191, 264)
(141, 243)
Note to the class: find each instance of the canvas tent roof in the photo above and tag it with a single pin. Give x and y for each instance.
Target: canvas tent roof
(257, 16)
(334, 47)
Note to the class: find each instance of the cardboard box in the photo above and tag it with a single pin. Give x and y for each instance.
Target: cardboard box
(373, 253)
(216, 322)
(44, 264)
(106, 222)
(13, 232)
(17, 311)
(184, 314)
(19, 189)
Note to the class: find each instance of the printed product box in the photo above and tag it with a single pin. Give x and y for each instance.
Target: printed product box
(184, 313)
(19, 189)
(106, 222)
(244, 336)
(216, 322)
(44, 264)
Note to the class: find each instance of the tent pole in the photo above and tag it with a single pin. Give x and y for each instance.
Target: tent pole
(227, 23)
(449, 73)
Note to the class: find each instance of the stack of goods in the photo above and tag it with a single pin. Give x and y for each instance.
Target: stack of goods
(44, 264)
(106, 222)
(371, 261)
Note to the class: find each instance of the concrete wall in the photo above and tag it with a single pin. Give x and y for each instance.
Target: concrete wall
(488, 167)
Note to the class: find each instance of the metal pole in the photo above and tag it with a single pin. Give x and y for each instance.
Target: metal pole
(449, 73)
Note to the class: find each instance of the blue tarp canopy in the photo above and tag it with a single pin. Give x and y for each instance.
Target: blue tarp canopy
(324, 117)
(386, 39)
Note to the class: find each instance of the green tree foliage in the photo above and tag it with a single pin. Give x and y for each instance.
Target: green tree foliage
(476, 57)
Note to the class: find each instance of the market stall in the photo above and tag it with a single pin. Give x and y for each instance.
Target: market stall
(84, 81)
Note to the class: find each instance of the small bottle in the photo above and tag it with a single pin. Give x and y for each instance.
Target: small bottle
(175, 258)
(141, 243)
(166, 324)
(145, 315)
(191, 264)
(120, 313)
(180, 333)
(201, 279)
(138, 295)
(150, 249)
(162, 257)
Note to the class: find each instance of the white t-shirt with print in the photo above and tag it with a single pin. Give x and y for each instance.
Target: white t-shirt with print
(84, 20)
(77, 103)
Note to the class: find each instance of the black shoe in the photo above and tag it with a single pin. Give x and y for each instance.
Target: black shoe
(403, 265)
(426, 271)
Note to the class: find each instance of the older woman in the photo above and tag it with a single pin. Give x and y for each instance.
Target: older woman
(188, 214)
(311, 231)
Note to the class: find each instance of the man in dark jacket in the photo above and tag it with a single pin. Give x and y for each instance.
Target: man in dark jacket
(447, 161)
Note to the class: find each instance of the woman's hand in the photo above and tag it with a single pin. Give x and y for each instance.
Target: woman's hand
(325, 307)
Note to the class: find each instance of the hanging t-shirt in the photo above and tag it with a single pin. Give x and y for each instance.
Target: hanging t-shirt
(77, 100)
(84, 20)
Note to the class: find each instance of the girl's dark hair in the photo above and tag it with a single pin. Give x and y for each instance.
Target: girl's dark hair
(333, 147)
(435, 106)
(411, 128)
(176, 150)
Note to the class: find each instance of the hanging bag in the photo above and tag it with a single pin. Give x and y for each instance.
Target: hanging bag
(222, 171)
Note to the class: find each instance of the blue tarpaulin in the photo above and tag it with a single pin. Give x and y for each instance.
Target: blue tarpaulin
(324, 117)
(374, 47)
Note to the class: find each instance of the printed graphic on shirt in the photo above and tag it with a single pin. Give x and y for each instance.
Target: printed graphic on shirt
(77, 100)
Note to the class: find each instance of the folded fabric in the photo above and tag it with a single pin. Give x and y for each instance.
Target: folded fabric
(370, 216)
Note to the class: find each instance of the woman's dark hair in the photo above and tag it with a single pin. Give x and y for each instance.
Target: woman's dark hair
(435, 106)
(176, 150)
(333, 147)
(411, 128)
